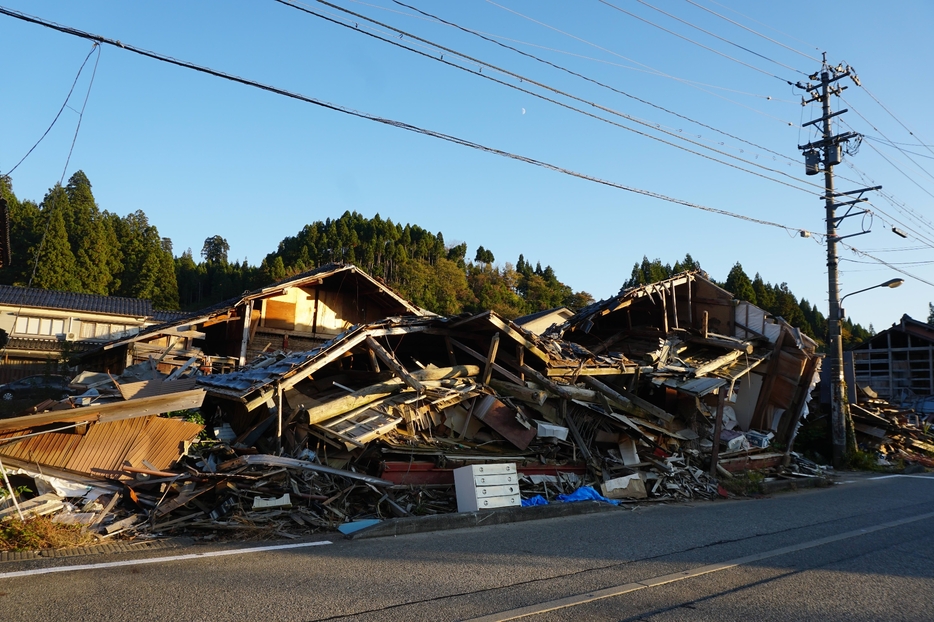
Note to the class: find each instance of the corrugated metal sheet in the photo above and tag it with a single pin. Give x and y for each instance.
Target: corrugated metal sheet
(106, 447)
(161, 444)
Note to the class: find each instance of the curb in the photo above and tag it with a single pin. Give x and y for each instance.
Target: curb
(115, 547)
(442, 522)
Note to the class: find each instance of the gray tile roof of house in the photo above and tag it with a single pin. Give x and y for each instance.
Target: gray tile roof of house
(69, 301)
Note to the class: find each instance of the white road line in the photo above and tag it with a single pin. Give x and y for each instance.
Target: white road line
(619, 590)
(159, 560)
(928, 477)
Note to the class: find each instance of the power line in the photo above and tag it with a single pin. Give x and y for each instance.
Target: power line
(355, 27)
(860, 115)
(700, 45)
(496, 38)
(896, 167)
(696, 85)
(767, 26)
(385, 121)
(891, 114)
(735, 23)
(895, 145)
(885, 263)
(591, 80)
(57, 115)
(716, 36)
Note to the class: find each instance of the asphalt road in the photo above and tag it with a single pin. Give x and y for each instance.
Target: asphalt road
(861, 550)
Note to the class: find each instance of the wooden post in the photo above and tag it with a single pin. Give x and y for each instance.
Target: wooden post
(664, 312)
(520, 356)
(704, 320)
(674, 305)
(450, 348)
(394, 364)
(717, 428)
(374, 363)
(279, 418)
(12, 492)
(490, 359)
(245, 338)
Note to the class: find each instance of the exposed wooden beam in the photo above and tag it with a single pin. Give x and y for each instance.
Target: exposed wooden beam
(387, 357)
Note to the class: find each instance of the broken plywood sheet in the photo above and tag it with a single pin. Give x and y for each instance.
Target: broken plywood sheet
(505, 420)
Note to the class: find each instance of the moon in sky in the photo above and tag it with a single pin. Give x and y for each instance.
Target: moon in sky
(523, 111)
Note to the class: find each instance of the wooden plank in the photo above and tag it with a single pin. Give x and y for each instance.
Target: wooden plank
(502, 370)
(625, 403)
(717, 428)
(561, 372)
(717, 363)
(490, 359)
(386, 357)
(509, 330)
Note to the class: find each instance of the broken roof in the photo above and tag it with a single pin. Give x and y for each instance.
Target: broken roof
(372, 287)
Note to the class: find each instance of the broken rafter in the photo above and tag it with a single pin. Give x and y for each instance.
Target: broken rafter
(505, 372)
(386, 357)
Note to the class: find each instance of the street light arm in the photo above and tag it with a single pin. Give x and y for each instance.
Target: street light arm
(892, 283)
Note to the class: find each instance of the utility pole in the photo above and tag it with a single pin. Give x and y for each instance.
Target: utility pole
(824, 154)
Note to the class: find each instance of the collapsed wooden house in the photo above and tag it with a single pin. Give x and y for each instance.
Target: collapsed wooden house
(297, 313)
(634, 395)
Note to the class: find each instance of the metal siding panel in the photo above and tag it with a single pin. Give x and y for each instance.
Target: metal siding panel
(160, 445)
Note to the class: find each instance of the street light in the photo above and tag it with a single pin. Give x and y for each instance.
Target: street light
(891, 283)
(840, 411)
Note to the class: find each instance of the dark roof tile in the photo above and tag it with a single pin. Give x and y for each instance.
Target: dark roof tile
(70, 301)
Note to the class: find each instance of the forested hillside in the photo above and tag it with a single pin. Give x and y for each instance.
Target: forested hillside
(83, 249)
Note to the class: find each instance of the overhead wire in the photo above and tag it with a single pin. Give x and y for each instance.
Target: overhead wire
(861, 116)
(716, 36)
(896, 204)
(385, 121)
(589, 79)
(642, 69)
(698, 44)
(772, 28)
(895, 166)
(895, 145)
(54, 204)
(355, 27)
(885, 263)
(735, 23)
(57, 115)
(690, 83)
(892, 114)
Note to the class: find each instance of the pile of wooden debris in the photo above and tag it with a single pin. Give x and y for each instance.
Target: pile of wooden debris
(633, 396)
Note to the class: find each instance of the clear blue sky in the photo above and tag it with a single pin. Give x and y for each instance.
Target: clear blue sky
(202, 156)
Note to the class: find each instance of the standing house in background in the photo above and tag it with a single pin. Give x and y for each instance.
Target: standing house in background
(297, 313)
(897, 363)
(46, 327)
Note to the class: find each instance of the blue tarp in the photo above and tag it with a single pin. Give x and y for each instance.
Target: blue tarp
(584, 493)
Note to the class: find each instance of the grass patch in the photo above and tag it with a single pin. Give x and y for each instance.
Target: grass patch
(40, 533)
(749, 483)
(868, 461)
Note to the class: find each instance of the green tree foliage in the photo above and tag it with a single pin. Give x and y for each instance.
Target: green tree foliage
(738, 284)
(215, 250)
(56, 266)
(418, 264)
(74, 246)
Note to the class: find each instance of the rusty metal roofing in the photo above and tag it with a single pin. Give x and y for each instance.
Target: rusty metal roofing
(105, 447)
(71, 301)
